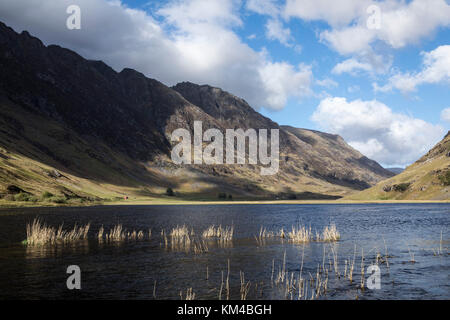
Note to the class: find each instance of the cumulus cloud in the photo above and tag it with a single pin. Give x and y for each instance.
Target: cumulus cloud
(338, 15)
(185, 40)
(276, 31)
(393, 139)
(264, 7)
(401, 23)
(280, 78)
(445, 115)
(351, 66)
(365, 62)
(436, 69)
(349, 40)
(327, 83)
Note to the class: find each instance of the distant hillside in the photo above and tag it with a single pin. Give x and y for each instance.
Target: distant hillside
(426, 179)
(80, 130)
(395, 170)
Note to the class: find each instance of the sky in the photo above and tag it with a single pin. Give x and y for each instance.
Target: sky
(375, 72)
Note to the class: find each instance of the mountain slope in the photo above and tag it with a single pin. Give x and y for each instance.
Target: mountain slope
(320, 157)
(427, 179)
(396, 170)
(81, 130)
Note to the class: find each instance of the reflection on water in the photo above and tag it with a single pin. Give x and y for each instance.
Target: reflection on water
(408, 243)
(53, 251)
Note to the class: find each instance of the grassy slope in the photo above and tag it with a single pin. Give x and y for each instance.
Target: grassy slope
(33, 147)
(101, 176)
(424, 177)
(31, 151)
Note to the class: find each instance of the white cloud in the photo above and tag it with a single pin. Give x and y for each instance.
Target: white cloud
(445, 115)
(436, 69)
(194, 14)
(351, 66)
(393, 139)
(327, 82)
(366, 61)
(401, 23)
(192, 40)
(276, 31)
(264, 7)
(349, 40)
(336, 14)
(281, 78)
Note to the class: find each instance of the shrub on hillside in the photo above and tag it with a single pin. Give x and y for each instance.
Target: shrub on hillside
(402, 187)
(445, 178)
(59, 200)
(170, 192)
(47, 194)
(22, 197)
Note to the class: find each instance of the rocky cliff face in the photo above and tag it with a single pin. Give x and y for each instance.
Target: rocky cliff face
(82, 118)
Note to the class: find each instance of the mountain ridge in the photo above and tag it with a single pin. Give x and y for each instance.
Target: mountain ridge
(110, 132)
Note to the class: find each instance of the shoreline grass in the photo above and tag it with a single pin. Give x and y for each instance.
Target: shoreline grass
(162, 201)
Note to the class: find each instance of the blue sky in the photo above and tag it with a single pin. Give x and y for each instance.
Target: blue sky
(375, 72)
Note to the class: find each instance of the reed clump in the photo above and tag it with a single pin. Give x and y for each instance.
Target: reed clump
(295, 286)
(330, 234)
(181, 235)
(118, 234)
(190, 294)
(38, 233)
(263, 235)
(222, 234)
(302, 234)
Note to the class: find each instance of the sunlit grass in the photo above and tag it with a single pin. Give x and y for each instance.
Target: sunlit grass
(222, 234)
(38, 233)
(303, 234)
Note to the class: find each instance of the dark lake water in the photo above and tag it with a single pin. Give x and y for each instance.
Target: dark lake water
(148, 269)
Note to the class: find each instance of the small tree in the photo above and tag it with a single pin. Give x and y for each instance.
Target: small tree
(170, 192)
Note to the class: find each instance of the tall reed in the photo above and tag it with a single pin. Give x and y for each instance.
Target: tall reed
(38, 233)
(222, 234)
(302, 234)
